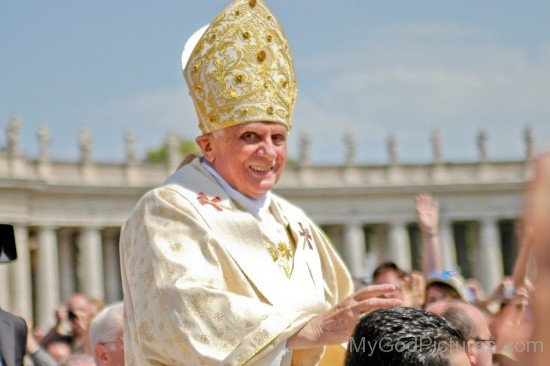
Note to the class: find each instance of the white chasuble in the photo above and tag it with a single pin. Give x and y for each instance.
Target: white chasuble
(201, 288)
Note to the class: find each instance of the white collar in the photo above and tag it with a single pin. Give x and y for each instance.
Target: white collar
(257, 207)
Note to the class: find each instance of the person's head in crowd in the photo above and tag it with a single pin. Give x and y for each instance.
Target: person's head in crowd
(79, 360)
(106, 336)
(445, 285)
(78, 312)
(59, 349)
(474, 326)
(406, 336)
(390, 273)
(95, 307)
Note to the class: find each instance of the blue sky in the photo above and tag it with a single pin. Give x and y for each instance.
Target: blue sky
(366, 68)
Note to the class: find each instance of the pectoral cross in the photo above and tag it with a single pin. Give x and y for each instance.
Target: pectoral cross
(205, 200)
(306, 235)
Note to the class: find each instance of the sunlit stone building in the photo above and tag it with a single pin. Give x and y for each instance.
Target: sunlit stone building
(67, 215)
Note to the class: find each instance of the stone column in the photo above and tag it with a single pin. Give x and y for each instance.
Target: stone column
(66, 264)
(90, 263)
(21, 274)
(399, 247)
(447, 245)
(354, 250)
(113, 289)
(334, 233)
(489, 257)
(47, 278)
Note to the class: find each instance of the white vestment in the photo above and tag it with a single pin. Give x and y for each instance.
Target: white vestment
(200, 287)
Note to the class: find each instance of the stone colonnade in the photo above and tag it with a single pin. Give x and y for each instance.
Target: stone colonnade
(56, 262)
(393, 242)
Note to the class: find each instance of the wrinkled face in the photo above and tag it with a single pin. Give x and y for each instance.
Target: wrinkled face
(250, 156)
(110, 353)
(117, 353)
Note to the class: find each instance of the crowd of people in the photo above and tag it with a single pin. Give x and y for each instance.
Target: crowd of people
(451, 321)
(86, 333)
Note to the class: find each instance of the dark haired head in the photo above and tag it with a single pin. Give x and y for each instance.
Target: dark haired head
(388, 266)
(403, 336)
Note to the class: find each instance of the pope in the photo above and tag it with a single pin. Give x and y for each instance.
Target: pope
(216, 269)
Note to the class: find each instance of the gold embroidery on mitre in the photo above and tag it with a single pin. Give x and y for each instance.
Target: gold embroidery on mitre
(241, 69)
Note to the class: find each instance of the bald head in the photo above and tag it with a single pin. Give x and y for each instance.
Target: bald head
(455, 311)
(472, 323)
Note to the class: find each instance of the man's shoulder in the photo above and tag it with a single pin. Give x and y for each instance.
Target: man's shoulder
(287, 206)
(187, 181)
(7, 316)
(192, 178)
(181, 191)
(18, 323)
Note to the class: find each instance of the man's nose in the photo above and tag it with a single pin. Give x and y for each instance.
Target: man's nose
(267, 150)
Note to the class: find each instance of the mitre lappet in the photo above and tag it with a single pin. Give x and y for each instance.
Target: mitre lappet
(240, 69)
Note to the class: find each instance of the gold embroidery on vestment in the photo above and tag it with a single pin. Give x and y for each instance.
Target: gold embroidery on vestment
(282, 255)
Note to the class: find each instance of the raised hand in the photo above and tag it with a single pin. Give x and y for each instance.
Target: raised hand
(337, 324)
(415, 288)
(427, 213)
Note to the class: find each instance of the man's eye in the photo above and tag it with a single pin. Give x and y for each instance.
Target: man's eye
(249, 136)
(278, 139)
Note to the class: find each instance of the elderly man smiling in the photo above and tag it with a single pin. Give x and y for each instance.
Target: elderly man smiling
(216, 269)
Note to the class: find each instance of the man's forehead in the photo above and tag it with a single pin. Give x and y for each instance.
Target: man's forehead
(78, 300)
(256, 126)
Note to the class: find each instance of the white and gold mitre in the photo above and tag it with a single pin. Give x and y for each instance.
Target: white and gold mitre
(241, 70)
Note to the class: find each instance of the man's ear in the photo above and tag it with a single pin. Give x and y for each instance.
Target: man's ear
(471, 351)
(205, 143)
(101, 354)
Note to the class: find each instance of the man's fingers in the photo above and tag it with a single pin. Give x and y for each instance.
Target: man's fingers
(373, 291)
(366, 306)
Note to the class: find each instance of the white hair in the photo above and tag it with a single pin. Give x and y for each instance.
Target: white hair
(79, 360)
(107, 324)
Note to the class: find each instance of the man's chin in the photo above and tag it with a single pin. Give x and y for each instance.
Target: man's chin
(259, 191)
